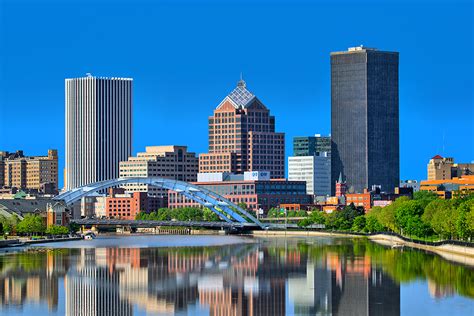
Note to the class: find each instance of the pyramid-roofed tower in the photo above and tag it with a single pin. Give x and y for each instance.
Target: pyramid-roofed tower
(242, 137)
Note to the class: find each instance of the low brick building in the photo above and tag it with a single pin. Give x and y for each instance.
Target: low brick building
(123, 205)
(360, 199)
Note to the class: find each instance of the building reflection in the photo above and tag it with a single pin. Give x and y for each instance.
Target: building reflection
(246, 279)
(34, 280)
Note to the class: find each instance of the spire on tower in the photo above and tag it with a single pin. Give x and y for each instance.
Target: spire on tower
(241, 82)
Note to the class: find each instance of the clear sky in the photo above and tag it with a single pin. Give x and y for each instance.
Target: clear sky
(186, 56)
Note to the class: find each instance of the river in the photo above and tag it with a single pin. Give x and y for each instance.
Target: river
(231, 275)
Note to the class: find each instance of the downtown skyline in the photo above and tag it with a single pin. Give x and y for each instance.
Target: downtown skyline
(171, 104)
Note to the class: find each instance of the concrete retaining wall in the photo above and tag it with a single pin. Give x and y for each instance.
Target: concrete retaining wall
(43, 241)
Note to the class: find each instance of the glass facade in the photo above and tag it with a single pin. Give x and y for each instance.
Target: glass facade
(364, 119)
(311, 145)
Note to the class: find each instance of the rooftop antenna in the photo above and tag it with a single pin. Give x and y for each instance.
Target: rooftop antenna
(241, 82)
(443, 142)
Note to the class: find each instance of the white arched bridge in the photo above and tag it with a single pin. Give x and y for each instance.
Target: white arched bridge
(229, 212)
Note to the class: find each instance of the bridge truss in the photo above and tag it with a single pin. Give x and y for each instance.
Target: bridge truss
(225, 209)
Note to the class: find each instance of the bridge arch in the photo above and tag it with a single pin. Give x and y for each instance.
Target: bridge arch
(221, 206)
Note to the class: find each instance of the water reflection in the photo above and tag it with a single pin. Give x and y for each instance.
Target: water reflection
(270, 277)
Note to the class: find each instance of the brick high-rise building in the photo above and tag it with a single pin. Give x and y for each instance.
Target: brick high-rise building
(242, 137)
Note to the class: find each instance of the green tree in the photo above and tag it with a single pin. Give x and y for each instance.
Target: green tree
(444, 220)
(31, 224)
(463, 225)
(210, 216)
(165, 214)
(431, 209)
(470, 223)
(359, 223)
(305, 222)
(345, 217)
(141, 216)
(187, 214)
(387, 216)
(318, 217)
(57, 230)
(301, 213)
(372, 224)
(273, 212)
(424, 197)
(9, 223)
(408, 218)
(331, 220)
(73, 227)
(243, 205)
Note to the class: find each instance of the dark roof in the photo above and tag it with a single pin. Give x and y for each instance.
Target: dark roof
(24, 206)
(437, 157)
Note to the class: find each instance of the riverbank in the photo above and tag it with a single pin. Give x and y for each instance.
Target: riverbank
(24, 242)
(44, 241)
(455, 253)
(8, 243)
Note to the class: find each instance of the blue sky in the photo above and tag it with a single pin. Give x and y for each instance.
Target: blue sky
(186, 56)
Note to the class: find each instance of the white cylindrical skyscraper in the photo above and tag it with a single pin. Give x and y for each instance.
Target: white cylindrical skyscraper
(98, 128)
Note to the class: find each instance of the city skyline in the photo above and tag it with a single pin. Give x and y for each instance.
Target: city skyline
(286, 80)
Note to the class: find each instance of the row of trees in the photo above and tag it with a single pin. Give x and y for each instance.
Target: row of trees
(276, 212)
(180, 214)
(29, 225)
(423, 216)
(349, 218)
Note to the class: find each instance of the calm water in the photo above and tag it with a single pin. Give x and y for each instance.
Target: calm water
(216, 275)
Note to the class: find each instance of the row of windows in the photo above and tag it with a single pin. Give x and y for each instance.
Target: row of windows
(119, 214)
(359, 198)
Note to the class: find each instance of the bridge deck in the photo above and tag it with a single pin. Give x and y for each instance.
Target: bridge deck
(151, 223)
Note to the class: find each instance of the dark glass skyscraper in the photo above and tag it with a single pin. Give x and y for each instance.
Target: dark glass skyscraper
(364, 118)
